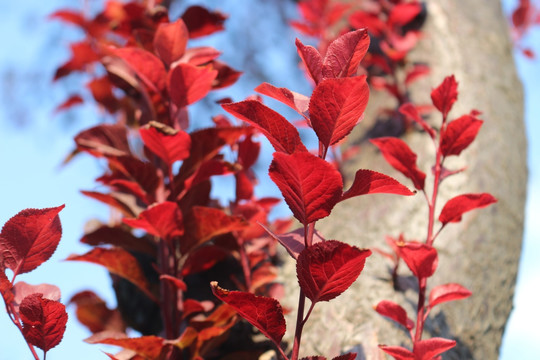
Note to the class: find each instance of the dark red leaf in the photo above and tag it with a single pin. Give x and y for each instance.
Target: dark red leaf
(402, 158)
(170, 41)
(201, 22)
(264, 313)
(430, 348)
(179, 283)
(422, 259)
(70, 102)
(44, 321)
(202, 259)
(348, 356)
(372, 182)
(30, 238)
(448, 292)
(187, 83)
(93, 313)
(104, 140)
(113, 199)
(345, 53)
(163, 220)
(169, 144)
(226, 75)
(119, 262)
(149, 347)
(281, 133)
(457, 206)
(459, 134)
(146, 65)
(395, 312)
(398, 352)
(336, 106)
(311, 186)
(312, 59)
(410, 111)
(314, 358)
(445, 95)
(325, 270)
(294, 100)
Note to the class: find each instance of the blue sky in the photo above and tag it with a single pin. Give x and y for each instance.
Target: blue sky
(33, 142)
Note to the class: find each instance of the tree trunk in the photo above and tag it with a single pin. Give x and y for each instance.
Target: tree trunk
(470, 40)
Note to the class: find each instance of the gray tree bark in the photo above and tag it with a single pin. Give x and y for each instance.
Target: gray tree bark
(470, 40)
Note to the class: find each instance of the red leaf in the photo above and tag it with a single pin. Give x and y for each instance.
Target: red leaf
(201, 22)
(148, 347)
(314, 358)
(410, 111)
(312, 59)
(294, 241)
(226, 75)
(22, 289)
(348, 356)
(416, 72)
(311, 186)
(395, 312)
(281, 134)
(422, 259)
(163, 220)
(119, 236)
(93, 313)
(336, 106)
(372, 182)
(180, 284)
(325, 270)
(187, 83)
(146, 65)
(83, 54)
(398, 352)
(404, 13)
(448, 292)
(5, 286)
(170, 41)
(30, 238)
(445, 95)
(457, 206)
(459, 134)
(70, 102)
(113, 199)
(119, 262)
(398, 154)
(202, 259)
(345, 53)
(294, 100)
(430, 348)
(44, 321)
(264, 313)
(104, 140)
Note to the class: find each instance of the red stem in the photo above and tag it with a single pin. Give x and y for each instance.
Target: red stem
(13, 319)
(245, 266)
(420, 309)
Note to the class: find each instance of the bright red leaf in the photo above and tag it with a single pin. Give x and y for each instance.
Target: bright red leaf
(44, 321)
(404, 13)
(311, 186)
(264, 313)
(282, 134)
(169, 144)
(187, 83)
(430, 348)
(163, 220)
(30, 238)
(422, 259)
(448, 292)
(202, 22)
(70, 102)
(120, 262)
(398, 154)
(398, 352)
(146, 65)
(149, 347)
(344, 54)
(294, 100)
(336, 106)
(395, 312)
(372, 182)
(170, 41)
(445, 95)
(457, 206)
(459, 134)
(325, 270)
(312, 59)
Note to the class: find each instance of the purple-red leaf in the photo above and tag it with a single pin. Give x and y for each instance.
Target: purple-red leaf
(312, 59)
(445, 95)
(294, 100)
(30, 238)
(163, 220)
(311, 186)
(282, 134)
(44, 321)
(422, 259)
(294, 241)
(202, 22)
(104, 140)
(187, 83)
(264, 313)
(459, 134)
(398, 154)
(448, 292)
(345, 53)
(336, 106)
(170, 41)
(430, 348)
(325, 270)
(395, 312)
(457, 206)
(372, 182)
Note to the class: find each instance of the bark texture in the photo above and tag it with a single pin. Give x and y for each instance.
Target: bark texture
(469, 39)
